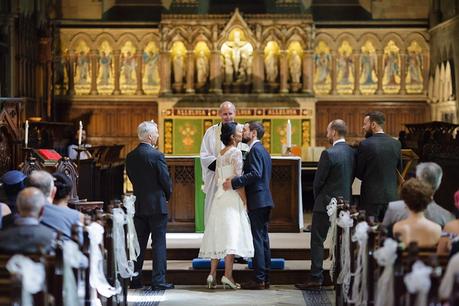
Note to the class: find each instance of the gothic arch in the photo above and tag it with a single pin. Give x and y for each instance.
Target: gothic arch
(104, 36)
(327, 38)
(81, 36)
(154, 37)
(296, 37)
(350, 38)
(270, 34)
(370, 37)
(396, 39)
(180, 38)
(128, 37)
(201, 38)
(419, 38)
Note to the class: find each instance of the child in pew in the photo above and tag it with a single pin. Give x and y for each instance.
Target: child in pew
(417, 195)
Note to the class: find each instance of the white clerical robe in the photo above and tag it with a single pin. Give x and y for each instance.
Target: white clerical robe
(210, 148)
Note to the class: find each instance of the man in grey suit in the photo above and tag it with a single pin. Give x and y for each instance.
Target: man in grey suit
(430, 173)
(378, 159)
(334, 177)
(27, 235)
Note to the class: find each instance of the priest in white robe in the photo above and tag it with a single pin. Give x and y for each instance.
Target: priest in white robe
(210, 148)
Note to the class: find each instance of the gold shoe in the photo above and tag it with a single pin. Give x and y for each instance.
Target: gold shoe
(230, 284)
(211, 282)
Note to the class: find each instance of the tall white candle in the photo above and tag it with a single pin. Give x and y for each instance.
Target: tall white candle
(289, 134)
(26, 136)
(80, 133)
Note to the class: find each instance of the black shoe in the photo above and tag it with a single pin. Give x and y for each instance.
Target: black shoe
(135, 285)
(240, 260)
(311, 284)
(164, 286)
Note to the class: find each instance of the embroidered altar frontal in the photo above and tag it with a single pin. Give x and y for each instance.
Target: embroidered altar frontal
(184, 128)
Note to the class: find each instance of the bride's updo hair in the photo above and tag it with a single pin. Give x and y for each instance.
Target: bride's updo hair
(228, 129)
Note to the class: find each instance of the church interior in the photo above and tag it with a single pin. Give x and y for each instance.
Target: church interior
(78, 77)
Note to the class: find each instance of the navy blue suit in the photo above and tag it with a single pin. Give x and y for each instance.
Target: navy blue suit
(333, 178)
(256, 179)
(378, 159)
(147, 170)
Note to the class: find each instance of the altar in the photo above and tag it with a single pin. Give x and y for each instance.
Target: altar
(186, 206)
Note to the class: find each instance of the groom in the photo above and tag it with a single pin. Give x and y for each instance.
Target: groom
(256, 177)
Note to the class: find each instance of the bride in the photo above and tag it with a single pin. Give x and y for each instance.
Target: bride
(227, 231)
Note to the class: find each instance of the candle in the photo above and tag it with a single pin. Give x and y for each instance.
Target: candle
(26, 136)
(289, 134)
(80, 133)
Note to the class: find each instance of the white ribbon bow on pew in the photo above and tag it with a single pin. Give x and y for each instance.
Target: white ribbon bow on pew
(385, 257)
(32, 276)
(331, 212)
(132, 241)
(359, 287)
(418, 281)
(124, 267)
(97, 278)
(345, 222)
(73, 258)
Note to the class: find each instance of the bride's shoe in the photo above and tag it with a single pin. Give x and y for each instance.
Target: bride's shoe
(229, 283)
(211, 282)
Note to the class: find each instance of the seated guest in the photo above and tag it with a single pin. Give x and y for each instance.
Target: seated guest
(416, 228)
(452, 227)
(12, 182)
(72, 153)
(28, 234)
(59, 219)
(5, 212)
(431, 174)
(447, 282)
(63, 189)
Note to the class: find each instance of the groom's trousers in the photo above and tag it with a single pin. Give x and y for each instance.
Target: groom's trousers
(259, 220)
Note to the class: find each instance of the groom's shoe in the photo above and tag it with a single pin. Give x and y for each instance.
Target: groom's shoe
(253, 285)
(310, 284)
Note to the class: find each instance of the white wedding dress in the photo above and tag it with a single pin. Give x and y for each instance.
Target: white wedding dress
(227, 230)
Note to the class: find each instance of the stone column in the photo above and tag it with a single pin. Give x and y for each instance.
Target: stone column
(308, 72)
(283, 72)
(402, 73)
(94, 62)
(333, 72)
(356, 73)
(258, 71)
(425, 73)
(189, 72)
(116, 55)
(139, 59)
(380, 74)
(71, 73)
(215, 73)
(165, 72)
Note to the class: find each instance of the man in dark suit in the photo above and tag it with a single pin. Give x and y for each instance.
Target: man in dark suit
(28, 234)
(378, 158)
(147, 170)
(256, 178)
(334, 177)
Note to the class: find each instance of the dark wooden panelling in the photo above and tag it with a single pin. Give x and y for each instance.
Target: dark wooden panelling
(181, 204)
(109, 122)
(397, 114)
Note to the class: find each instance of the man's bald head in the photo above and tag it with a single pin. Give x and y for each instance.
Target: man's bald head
(336, 129)
(30, 202)
(227, 111)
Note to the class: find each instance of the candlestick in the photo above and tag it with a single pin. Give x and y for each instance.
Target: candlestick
(80, 133)
(289, 134)
(26, 136)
